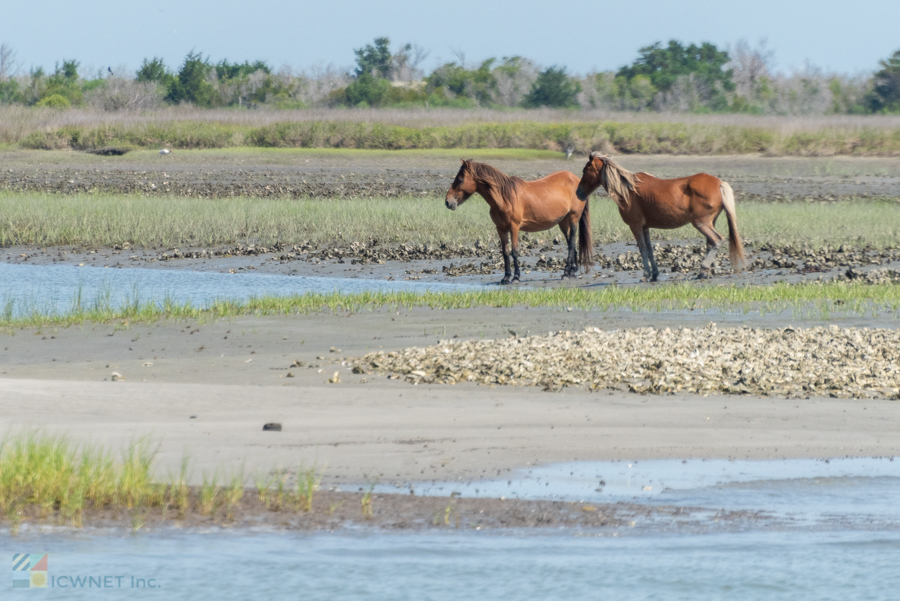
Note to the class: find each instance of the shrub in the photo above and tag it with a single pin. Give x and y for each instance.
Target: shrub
(54, 101)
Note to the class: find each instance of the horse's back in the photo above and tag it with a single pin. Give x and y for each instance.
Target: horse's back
(558, 177)
(699, 184)
(558, 182)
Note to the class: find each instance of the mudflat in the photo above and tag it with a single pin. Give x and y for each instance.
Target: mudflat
(297, 173)
(206, 389)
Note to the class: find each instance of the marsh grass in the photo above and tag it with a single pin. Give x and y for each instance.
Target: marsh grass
(47, 477)
(808, 300)
(176, 222)
(53, 474)
(180, 127)
(308, 480)
(273, 492)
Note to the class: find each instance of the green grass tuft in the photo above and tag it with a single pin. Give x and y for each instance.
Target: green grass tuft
(812, 300)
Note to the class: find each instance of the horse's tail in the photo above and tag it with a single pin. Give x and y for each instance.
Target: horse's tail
(735, 246)
(585, 245)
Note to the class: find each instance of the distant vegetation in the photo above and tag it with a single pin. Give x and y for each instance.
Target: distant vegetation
(671, 77)
(608, 136)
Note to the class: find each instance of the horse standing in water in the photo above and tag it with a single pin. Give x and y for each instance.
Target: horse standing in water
(527, 206)
(646, 201)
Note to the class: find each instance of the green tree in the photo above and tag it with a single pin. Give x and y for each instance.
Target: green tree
(226, 70)
(367, 90)
(9, 91)
(477, 84)
(885, 94)
(374, 60)
(553, 87)
(665, 65)
(64, 82)
(155, 70)
(191, 83)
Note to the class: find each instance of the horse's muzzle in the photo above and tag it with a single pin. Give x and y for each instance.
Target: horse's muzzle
(580, 194)
(451, 205)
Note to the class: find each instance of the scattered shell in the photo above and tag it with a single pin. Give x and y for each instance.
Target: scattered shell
(116, 376)
(335, 379)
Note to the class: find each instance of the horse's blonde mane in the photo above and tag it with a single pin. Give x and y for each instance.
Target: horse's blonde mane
(618, 182)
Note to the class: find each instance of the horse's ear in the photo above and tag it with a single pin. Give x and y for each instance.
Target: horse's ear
(463, 161)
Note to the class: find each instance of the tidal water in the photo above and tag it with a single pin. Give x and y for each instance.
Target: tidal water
(53, 289)
(835, 534)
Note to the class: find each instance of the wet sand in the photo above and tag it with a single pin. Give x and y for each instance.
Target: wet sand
(207, 389)
(339, 510)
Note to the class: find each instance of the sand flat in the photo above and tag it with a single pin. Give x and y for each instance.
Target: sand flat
(370, 427)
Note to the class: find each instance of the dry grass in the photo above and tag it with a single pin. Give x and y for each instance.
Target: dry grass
(188, 127)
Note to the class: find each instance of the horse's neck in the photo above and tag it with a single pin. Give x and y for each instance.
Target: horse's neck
(491, 195)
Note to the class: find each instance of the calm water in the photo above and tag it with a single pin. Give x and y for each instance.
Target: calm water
(853, 492)
(837, 536)
(764, 566)
(54, 288)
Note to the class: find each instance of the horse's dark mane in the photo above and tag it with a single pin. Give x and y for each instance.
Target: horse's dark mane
(504, 184)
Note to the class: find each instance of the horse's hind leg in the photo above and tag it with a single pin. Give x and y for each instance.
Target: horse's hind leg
(654, 270)
(713, 240)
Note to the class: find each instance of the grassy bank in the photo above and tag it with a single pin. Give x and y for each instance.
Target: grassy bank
(48, 477)
(106, 220)
(813, 300)
(622, 137)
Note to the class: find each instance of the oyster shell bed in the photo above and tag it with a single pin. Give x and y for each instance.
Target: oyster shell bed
(672, 258)
(790, 362)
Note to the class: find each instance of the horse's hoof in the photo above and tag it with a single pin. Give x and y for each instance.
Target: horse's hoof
(569, 276)
(504, 281)
(703, 275)
(516, 280)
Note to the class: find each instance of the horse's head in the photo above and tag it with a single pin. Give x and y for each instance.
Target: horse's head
(462, 188)
(592, 176)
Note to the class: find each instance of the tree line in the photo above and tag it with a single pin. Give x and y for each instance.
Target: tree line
(673, 76)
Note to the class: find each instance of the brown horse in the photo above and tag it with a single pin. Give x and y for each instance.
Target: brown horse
(645, 201)
(527, 206)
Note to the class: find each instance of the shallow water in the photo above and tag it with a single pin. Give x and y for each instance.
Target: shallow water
(765, 566)
(835, 536)
(835, 493)
(55, 288)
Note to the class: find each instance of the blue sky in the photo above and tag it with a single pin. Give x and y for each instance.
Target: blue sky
(583, 35)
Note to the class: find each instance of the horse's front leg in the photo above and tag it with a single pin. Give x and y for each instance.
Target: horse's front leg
(654, 270)
(572, 256)
(504, 248)
(514, 234)
(641, 239)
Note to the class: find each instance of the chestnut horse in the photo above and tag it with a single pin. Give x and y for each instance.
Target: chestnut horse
(646, 201)
(527, 206)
